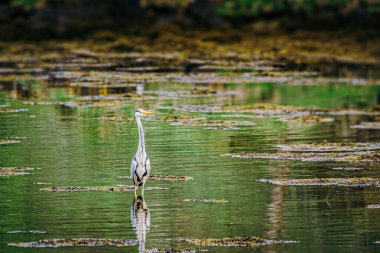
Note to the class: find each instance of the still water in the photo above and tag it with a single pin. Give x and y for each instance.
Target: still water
(73, 146)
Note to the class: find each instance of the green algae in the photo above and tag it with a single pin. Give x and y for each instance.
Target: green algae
(75, 242)
(350, 182)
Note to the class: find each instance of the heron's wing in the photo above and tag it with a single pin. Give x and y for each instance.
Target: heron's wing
(133, 166)
(147, 166)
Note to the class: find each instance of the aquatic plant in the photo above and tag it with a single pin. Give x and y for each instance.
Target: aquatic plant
(351, 157)
(26, 232)
(348, 168)
(11, 110)
(374, 206)
(164, 178)
(252, 241)
(353, 182)
(75, 242)
(206, 200)
(367, 125)
(329, 147)
(174, 250)
(307, 119)
(119, 188)
(7, 141)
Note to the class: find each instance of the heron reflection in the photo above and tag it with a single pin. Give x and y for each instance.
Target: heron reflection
(140, 220)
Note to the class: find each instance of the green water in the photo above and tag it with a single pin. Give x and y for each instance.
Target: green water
(72, 147)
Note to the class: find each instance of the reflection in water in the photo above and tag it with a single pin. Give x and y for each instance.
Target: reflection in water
(140, 220)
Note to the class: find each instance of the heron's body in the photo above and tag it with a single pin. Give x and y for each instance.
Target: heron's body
(140, 165)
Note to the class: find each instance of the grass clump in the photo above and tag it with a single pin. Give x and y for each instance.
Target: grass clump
(252, 241)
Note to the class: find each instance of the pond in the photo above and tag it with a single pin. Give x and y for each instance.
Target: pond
(65, 121)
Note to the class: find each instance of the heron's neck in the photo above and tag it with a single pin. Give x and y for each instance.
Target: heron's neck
(141, 134)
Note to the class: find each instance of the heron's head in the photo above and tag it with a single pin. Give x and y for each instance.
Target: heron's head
(141, 112)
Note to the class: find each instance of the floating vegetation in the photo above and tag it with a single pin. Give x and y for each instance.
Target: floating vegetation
(213, 123)
(26, 232)
(75, 242)
(237, 241)
(165, 178)
(307, 119)
(175, 118)
(273, 110)
(353, 182)
(221, 128)
(14, 171)
(206, 200)
(115, 118)
(10, 169)
(119, 188)
(348, 168)
(352, 157)
(8, 141)
(367, 125)
(173, 250)
(11, 110)
(373, 206)
(329, 147)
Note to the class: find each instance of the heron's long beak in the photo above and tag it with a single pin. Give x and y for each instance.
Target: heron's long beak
(132, 122)
(147, 113)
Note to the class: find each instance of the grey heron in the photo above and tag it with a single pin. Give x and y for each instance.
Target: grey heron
(140, 165)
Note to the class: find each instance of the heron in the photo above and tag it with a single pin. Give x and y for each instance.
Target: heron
(140, 165)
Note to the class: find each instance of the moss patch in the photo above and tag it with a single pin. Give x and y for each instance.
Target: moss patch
(75, 242)
(353, 182)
